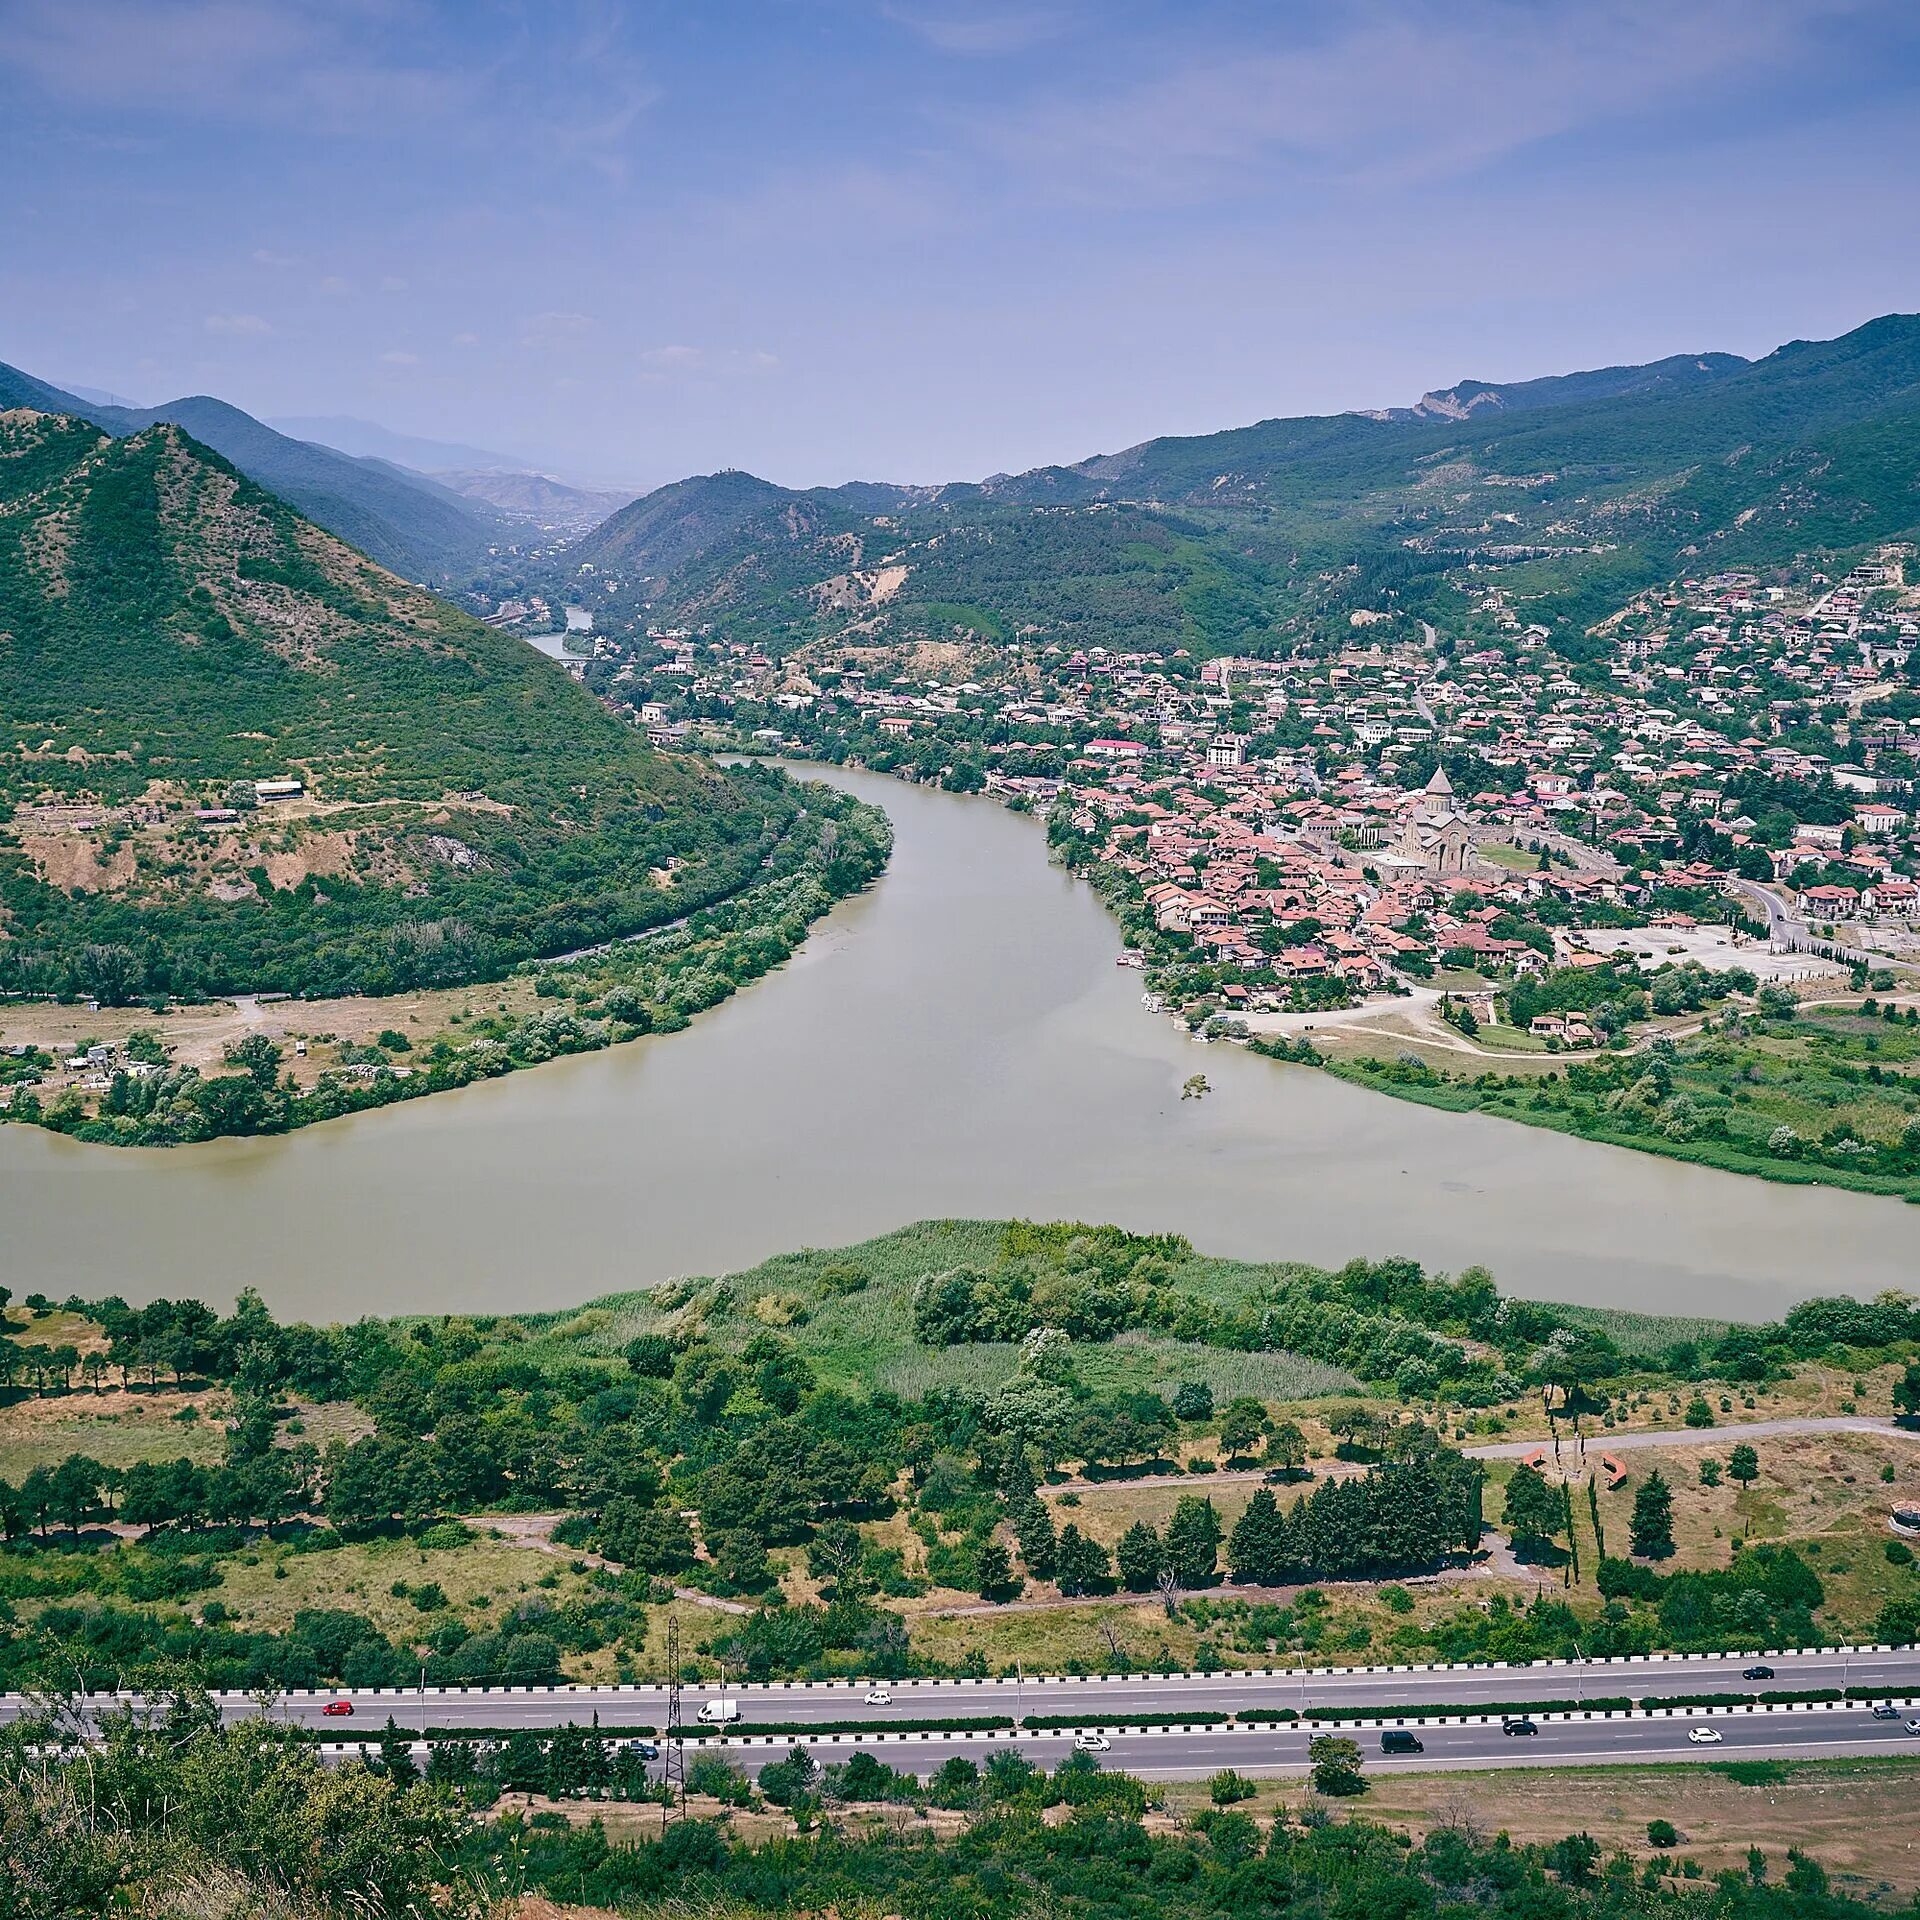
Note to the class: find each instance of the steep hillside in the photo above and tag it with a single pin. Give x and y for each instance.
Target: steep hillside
(1589, 485)
(403, 521)
(666, 529)
(170, 634)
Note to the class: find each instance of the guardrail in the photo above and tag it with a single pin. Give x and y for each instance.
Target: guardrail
(615, 1690)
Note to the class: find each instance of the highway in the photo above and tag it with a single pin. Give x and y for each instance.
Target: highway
(1281, 1750)
(1197, 1753)
(1093, 1699)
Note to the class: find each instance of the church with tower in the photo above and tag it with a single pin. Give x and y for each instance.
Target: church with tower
(1435, 836)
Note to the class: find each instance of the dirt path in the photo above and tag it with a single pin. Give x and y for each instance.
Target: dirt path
(1599, 1440)
(535, 1530)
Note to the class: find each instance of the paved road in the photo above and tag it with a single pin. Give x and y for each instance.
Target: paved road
(1268, 1751)
(1457, 1689)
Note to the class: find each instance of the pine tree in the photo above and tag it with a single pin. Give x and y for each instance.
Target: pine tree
(396, 1761)
(521, 1765)
(1081, 1564)
(1141, 1556)
(993, 1572)
(1193, 1541)
(1257, 1547)
(1039, 1545)
(1652, 1528)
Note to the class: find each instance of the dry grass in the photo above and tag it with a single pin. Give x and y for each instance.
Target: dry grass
(114, 1427)
(1855, 1818)
(361, 1577)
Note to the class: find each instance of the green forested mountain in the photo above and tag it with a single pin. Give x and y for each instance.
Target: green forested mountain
(170, 635)
(1584, 487)
(403, 520)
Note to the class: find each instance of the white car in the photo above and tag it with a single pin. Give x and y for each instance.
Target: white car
(1092, 1743)
(879, 1697)
(1705, 1736)
(1913, 1726)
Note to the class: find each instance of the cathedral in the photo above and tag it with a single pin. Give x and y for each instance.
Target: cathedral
(1434, 835)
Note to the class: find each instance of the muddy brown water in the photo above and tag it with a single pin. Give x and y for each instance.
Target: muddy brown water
(957, 1041)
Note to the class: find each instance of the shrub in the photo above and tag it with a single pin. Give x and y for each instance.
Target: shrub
(1662, 1833)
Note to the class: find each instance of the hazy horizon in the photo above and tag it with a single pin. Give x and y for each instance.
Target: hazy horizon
(917, 240)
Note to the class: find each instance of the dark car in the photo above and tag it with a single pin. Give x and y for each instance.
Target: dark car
(1756, 1673)
(1885, 1710)
(1517, 1723)
(1398, 1740)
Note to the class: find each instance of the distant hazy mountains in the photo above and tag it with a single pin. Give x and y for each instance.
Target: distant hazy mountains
(498, 480)
(428, 526)
(419, 530)
(1583, 487)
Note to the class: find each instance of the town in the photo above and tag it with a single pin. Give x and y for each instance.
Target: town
(1727, 782)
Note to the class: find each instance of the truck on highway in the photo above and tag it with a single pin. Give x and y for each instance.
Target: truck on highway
(718, 1713)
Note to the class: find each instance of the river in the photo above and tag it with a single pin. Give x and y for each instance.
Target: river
(957, 1041)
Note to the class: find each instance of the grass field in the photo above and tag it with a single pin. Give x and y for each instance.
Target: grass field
(1825, 1098)
(1854, 1816)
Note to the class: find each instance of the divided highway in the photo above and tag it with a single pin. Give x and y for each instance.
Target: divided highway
(1094, 1699)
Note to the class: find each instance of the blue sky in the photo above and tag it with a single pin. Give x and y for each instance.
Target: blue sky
(927, 239)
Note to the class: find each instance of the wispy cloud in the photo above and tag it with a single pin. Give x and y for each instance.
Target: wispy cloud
(984, 30)
(1397, 93)
(399, 357)
(543, 331)
(237, 326)
(287, 62)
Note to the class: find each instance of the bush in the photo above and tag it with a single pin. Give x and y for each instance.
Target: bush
(1898, 1553)
(1662, 1833)
(1227, 1786)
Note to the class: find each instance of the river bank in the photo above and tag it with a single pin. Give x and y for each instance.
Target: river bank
(954, 1041)
(272, 1063)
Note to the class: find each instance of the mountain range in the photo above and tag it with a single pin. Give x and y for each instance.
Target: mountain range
(510, 486)
(409, 523)
(1582, 487)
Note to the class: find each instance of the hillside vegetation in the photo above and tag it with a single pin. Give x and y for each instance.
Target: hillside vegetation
(171, 635)
(1598, 483)
(404, 520)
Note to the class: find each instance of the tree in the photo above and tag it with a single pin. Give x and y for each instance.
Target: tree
(76, 1489)
(1257, 1550)
(1906, 1391)
(1743, 1464)
(1286, 1447)
(993, 1572)
(1336, 1764)
(1039, 1544)
(1652, 1526)
(1081, 1564)
(1534, 1510)
(1193, 1541)
(1193, 1400)
(1709, 1472)
(1141, 1555)
(396, 1757)
(1242, 1423)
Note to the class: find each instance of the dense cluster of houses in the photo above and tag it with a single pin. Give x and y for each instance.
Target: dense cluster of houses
(1287, 813)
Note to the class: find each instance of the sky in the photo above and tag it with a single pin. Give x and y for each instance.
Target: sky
(920, 240)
